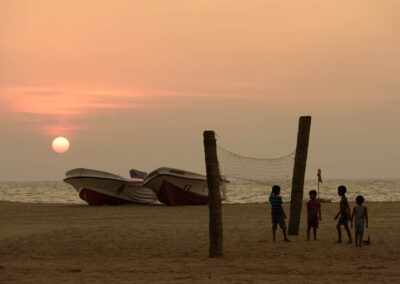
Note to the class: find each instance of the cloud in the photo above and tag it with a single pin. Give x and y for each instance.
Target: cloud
(66, 108)
(61, 111)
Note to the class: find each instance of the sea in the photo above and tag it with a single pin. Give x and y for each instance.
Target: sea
(236, 192)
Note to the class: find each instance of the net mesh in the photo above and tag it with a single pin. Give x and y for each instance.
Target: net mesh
(238, 168)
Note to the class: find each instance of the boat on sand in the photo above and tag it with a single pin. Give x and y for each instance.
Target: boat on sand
(98, 188)
(178, 187)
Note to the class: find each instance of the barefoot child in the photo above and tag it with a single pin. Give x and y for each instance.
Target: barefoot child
(344, 213)
(313, 214)
(277, 213)
(360, 213)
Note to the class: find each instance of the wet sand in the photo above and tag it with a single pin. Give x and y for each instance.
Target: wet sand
(50, 243)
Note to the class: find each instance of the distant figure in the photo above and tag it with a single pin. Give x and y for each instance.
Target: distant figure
(344, 213)
(361, 217)
(313, 214)
(277, 213)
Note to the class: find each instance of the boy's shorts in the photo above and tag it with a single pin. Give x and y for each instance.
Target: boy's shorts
(278, 219)
(343, 219)
(313, 221)
(359, 225)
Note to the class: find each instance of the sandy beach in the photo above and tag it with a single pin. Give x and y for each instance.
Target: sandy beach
(50, 243)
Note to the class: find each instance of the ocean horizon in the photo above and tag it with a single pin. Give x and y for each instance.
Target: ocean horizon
(373, 189)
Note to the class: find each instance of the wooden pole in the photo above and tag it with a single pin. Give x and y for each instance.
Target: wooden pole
(299, 170)
(214, 195)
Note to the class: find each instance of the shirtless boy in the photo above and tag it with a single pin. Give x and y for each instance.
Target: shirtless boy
(360, 216)
(344, 214)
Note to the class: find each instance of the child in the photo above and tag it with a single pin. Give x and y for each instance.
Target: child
(361, 215)
(313, 214)
(277, 213)
(344, 213)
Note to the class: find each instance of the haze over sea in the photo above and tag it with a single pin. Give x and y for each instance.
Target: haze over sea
(245, 192)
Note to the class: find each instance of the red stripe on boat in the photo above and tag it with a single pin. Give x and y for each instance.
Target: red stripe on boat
(177, 172)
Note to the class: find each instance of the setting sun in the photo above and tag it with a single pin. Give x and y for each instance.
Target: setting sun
(60, 145)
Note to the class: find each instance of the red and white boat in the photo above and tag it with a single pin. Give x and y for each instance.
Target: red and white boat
(178, 187)
(98, 188)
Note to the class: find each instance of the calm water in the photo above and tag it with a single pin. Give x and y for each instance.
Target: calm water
(244, 192)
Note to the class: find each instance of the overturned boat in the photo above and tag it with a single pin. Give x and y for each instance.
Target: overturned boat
(98, 188)
(179, 187)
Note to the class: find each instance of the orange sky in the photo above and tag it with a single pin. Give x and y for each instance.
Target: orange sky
(134, 83)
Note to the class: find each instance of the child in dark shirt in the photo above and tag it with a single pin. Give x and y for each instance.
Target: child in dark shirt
(313, 214)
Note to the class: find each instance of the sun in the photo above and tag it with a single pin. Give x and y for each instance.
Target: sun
(60, 145)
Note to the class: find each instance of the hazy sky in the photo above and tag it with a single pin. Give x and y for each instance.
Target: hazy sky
(133, 84)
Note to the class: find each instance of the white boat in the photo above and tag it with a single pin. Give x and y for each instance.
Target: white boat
(178, 187)
(98, 188)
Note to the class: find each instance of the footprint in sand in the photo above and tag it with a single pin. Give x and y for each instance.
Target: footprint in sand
(364, 267)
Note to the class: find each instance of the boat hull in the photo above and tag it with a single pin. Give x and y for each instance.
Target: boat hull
(171, 194)
(94, 198)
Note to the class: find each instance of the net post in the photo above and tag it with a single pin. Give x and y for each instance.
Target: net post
(299, 169)
(214, 195)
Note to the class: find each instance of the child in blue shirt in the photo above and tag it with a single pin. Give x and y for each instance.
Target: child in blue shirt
(277, 213)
